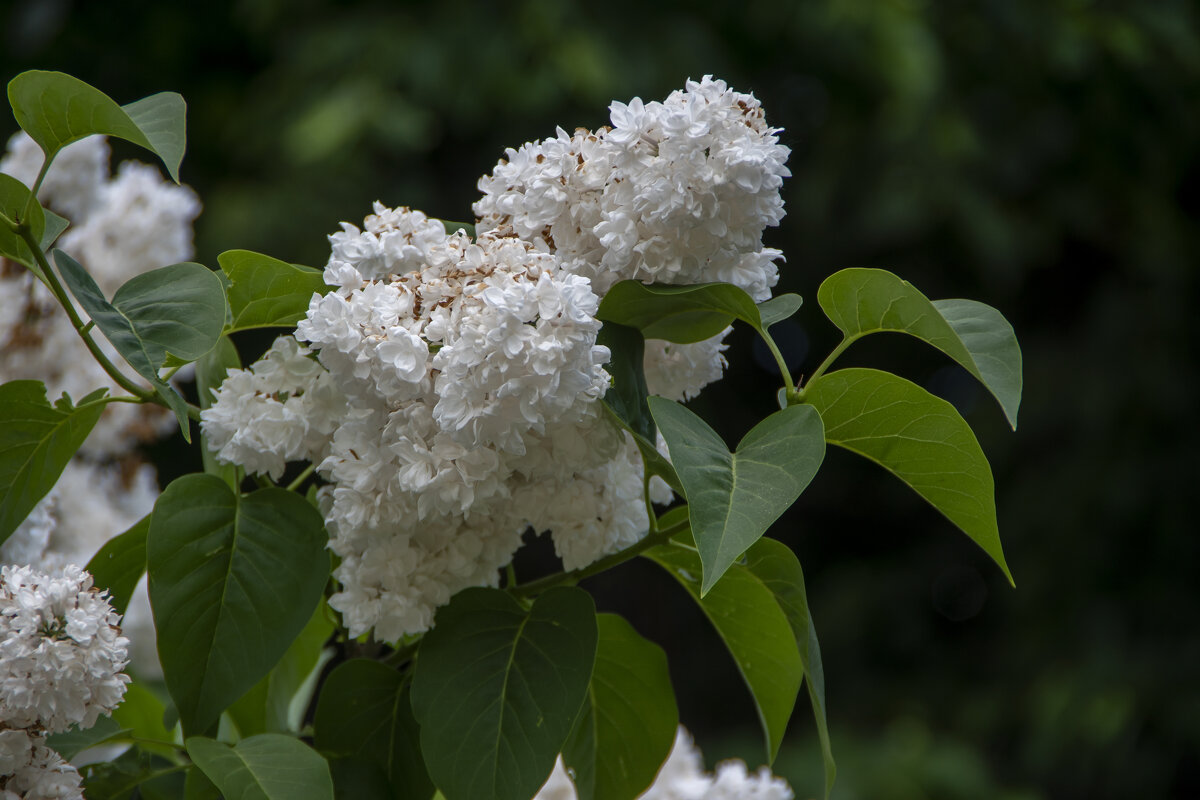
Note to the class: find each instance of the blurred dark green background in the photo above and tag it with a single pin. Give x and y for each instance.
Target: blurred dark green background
(1040, 155)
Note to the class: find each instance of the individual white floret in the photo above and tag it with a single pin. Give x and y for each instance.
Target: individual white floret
(29, 770)
(61, 650)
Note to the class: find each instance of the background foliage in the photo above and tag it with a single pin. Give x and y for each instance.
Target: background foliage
(1041, 156)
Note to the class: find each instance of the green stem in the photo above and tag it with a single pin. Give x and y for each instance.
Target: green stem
(783, 368)
(301, 478)
(829, 359)
(156, 742)
(171, 372)
(574, 576)
(37, 185)
(10, 222)
(403, 654)
(510, 576)
(80, 327)
(103, 401)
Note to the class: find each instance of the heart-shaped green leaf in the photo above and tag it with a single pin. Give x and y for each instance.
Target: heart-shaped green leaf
(266, 292)
(626, 727)
(56, 109)
(734, 498)
(14, 196)
(864, 301)
(177, 310)
(754, 628)
(364, 711)
(233, 581)
(776, 566)
(36, 442)
(497, 689)
(270, 766)
(120, 564)
(919, 438)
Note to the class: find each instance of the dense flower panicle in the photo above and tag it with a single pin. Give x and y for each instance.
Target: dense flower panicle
(61, 650)
(673, 192)
(682, 777)
(29, 770)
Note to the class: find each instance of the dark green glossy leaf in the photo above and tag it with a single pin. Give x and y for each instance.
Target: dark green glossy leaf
(626, 727)
(36, 442)
(197, 786)
(917, 437)
(627, 395)
(864, 301)
(69, 744)
(364, 712)
(14, 195)
(56, 109)
(775, 564)
(120, 564)
(266, 706)
(682, 314)
(735, 497)
(266, 767)
(497, 689)
(266, 292)
(359, 779)
(754, 628)
(233, 580)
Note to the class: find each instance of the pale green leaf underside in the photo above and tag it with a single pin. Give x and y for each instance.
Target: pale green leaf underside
(864, 301)
(917, 437)
(733, 498)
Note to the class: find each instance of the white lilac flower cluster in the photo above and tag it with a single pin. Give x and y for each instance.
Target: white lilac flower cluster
(121, 226)
(447, 389)
(674, 192)
(682, 777)
(61, 656)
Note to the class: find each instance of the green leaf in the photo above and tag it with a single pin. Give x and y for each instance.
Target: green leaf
(117, 779)
(497, 689)
(779, 308)
(266, 707)
(451, 227)
(233, 581)
(266, 292)
(197, 786)
(177, 310)
(120, 564)
(775, 564)
(755, 630)
(266, 767)
(55, 225)
(627, 395)
(56, 109)
(36, 442)
(69, 744)
(990, 340)
(359, 779)
(735, 497)
(917, 437)
(211, 369)
(626, 727)
(141, 713)
(682, 314)
(364, 711)
(864, 301)
(14, 196)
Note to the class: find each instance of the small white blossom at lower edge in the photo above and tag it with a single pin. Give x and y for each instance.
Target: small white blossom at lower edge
(682, 777)
(29, 770)
(61, 650)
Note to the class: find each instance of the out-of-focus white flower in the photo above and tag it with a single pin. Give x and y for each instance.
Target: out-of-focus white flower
(680, 371)
(74, 181)
(682, 777)
(29, 770)
(61, 650)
